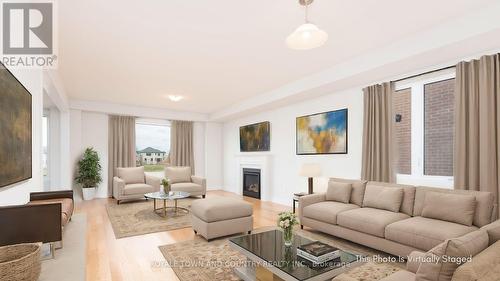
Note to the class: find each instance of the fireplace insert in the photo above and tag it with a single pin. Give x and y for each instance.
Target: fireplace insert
(251, 183)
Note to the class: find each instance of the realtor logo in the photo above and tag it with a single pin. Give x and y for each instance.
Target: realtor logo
(28, 34)
(27, 28)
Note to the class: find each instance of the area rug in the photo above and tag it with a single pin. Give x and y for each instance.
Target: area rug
(199, 260)
(136, 218)
(69, 262)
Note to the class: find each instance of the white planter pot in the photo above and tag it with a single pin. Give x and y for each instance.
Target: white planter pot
(88, 193)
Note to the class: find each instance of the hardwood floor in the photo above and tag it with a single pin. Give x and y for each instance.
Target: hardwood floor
(133, 258)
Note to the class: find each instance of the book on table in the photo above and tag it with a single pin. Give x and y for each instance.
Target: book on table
(317, 252)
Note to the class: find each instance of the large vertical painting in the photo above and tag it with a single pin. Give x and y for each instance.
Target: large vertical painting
(322, 133)
(255, 137)
(15, 128)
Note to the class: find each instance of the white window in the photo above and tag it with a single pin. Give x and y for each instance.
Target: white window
(152, 138)
(424, 116)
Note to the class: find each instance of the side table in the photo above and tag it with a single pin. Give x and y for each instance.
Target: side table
(296, 197)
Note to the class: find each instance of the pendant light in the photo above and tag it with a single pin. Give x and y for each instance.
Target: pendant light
(308, 35)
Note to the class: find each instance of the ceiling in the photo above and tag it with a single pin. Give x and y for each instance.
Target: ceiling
(218, 53)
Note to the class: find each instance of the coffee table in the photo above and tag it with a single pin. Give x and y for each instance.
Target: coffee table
(270, 259)
(172, 195)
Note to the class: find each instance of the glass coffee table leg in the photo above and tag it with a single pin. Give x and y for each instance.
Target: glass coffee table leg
(175, 202)
(165, 208)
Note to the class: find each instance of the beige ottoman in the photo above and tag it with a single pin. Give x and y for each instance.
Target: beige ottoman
(221, 216)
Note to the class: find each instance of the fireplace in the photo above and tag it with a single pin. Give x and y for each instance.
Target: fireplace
(251, 182)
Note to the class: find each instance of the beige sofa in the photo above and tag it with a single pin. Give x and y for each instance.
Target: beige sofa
(133, 183)
(182, 180)
(473, 256)
(397, 219)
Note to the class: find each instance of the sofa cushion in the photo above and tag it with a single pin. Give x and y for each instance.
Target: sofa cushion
(383, 197)
(186, 186)
(493, 230)
(339, 192)
(67, 207)
(424, 233)
(485, 266)
(220, 208)
(446, 257)
(137, 188)
(484, 203)
(358, 190)
(178, 174)
(369, 220)
(456, 208)
(326, 211)
(408, 195)
(131, 175)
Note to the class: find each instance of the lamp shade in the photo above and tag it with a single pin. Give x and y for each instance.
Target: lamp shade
(306, 36)
(310, 170)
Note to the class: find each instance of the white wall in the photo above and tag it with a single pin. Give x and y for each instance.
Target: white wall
(213, 155)
(19, 193)
(285, 163)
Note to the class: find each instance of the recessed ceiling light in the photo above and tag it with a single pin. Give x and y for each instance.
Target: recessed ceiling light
(175, 98)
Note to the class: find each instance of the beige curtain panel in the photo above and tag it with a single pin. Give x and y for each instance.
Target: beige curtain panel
(378, 139)
(477, 125)
(181, 144)
(121, 145)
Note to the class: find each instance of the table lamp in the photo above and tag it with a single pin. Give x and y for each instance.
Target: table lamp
(310, 170)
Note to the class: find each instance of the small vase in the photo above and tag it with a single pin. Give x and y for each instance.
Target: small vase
(166, 189)
(288, 236)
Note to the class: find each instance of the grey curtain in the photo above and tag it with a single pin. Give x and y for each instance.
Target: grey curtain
(378, 138)
(121, 145)
(181, 144)
(477, 125)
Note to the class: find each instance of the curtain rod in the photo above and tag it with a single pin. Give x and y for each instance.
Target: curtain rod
(424, 73)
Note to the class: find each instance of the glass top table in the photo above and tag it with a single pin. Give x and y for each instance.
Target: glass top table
(268, 252)
(173, 196)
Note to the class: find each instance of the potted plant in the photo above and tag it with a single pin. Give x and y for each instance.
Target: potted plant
(89, 173)
(165, 184)
(286, 221)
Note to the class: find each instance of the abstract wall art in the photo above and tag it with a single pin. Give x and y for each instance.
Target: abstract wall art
(322, 133)
(15, 125)
(255, 137)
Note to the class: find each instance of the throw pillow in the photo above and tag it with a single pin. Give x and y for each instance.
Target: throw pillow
(339, 192)
(383, 197)
(457, 208)
(441, 261)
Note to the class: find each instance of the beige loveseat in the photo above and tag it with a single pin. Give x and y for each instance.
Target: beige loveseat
(182, 180)
(473, 256)
(397, 219)
(133, 183)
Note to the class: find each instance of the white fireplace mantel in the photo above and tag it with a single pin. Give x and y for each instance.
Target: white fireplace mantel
(262, 161)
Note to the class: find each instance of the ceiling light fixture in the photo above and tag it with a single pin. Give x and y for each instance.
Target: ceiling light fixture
(307, 36)
(175, 98)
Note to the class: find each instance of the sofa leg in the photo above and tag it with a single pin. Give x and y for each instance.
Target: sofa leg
(195, 232)
(203, 196)
(249, 232)
(117, 202)
(301, 226)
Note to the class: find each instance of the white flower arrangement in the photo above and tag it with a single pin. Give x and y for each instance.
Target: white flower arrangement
(287, 220)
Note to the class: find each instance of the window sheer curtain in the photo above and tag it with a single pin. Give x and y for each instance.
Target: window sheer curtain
(121, 145)
(181, 144)
(378, 137)
(477, 125)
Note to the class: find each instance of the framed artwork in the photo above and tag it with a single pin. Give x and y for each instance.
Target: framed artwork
(15, 124)
(322, 133)
(255, 137)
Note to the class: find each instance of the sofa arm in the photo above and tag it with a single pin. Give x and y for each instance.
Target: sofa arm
(414, 260)
(118, 187)
(201, 181)
(51, 195)
(155, 182)
(307, 200)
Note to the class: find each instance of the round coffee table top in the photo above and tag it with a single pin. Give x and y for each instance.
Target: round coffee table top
(172, 195)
